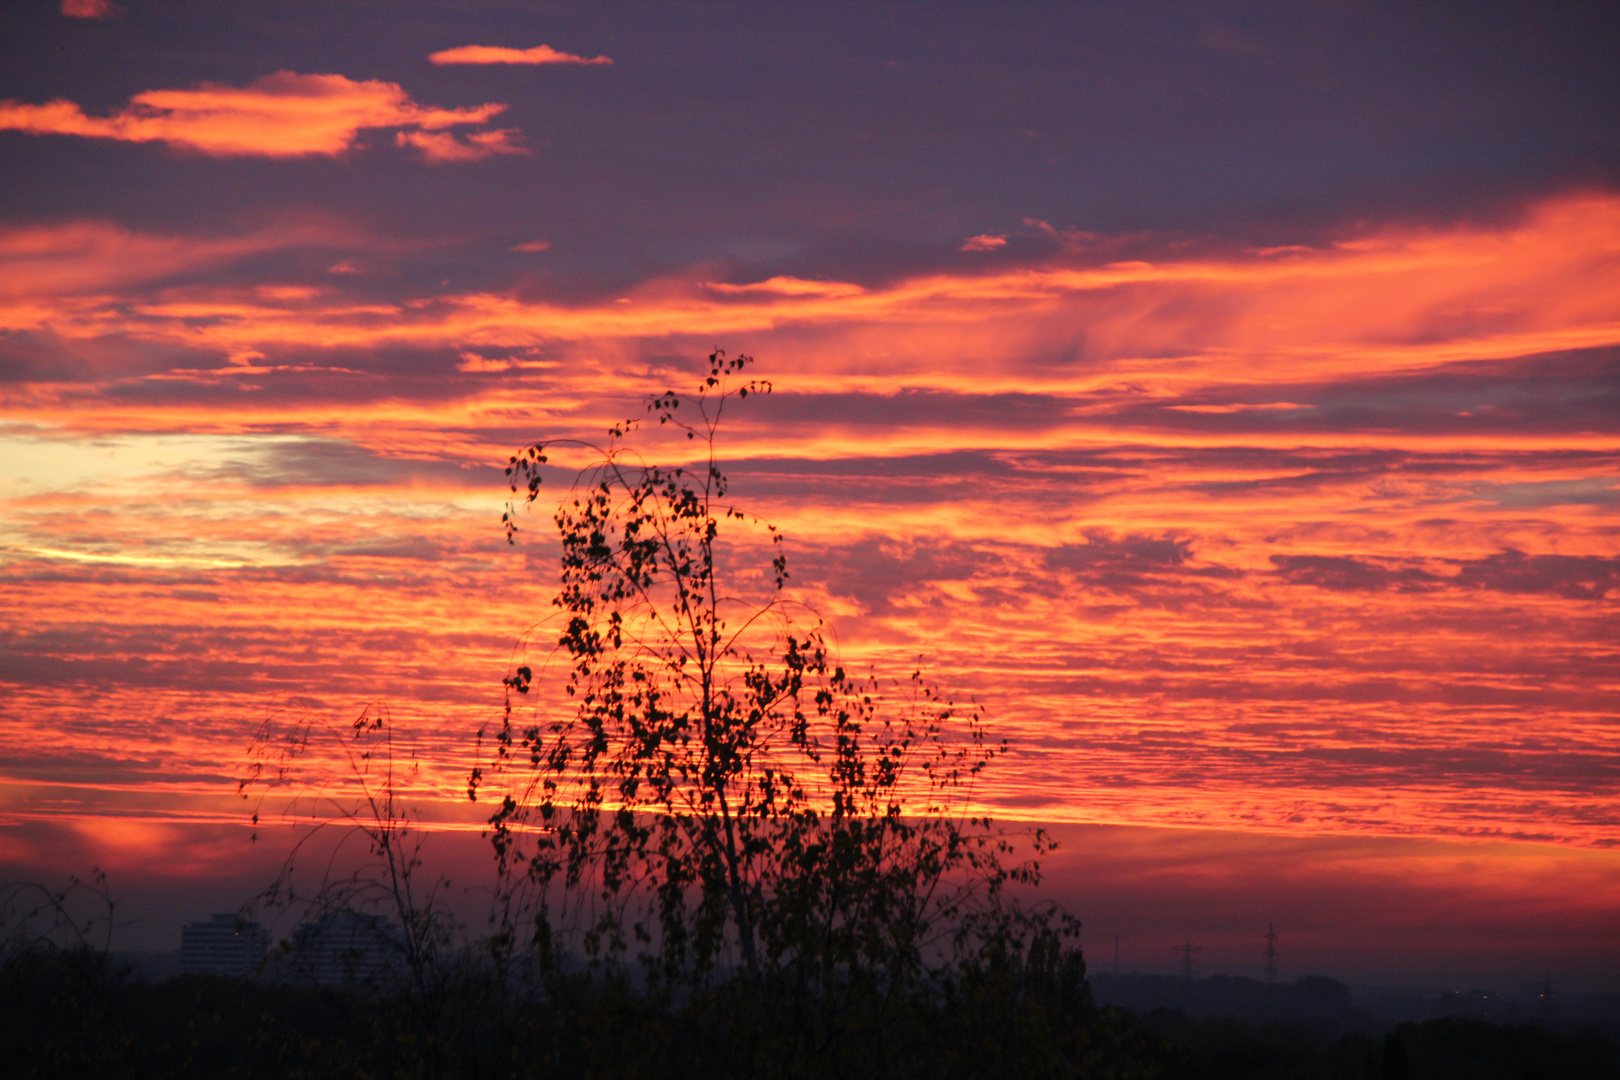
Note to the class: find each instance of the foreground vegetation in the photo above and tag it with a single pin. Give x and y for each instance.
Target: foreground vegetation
(73, 1014)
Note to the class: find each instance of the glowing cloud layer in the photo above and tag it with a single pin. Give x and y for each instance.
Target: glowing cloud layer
(1315, 539)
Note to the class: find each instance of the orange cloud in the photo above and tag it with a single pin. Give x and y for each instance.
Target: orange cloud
(497, 54)
(437, 146)
(786, 287)
(283, 115)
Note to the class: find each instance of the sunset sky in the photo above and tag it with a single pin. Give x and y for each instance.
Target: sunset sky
(1227, 396)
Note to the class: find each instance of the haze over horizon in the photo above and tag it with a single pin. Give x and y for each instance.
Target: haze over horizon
(1224, 395)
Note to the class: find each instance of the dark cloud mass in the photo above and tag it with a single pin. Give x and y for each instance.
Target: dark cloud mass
(1585, 577)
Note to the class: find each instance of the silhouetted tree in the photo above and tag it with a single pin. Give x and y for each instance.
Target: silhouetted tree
(720, 798)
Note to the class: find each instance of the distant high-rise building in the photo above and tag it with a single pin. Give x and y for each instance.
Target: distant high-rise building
(224, 945)
(1539, 992)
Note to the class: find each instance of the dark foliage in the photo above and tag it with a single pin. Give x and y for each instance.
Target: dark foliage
(1314, 1001)
(1021, 1019)
(67, 1013)
(1440, 1049)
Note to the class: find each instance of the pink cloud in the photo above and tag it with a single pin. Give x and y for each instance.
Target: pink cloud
(983, 242)
(89, 9)
(497, 54)
(283, 115)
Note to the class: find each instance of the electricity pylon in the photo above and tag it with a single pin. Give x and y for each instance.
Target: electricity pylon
(1186, 950)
